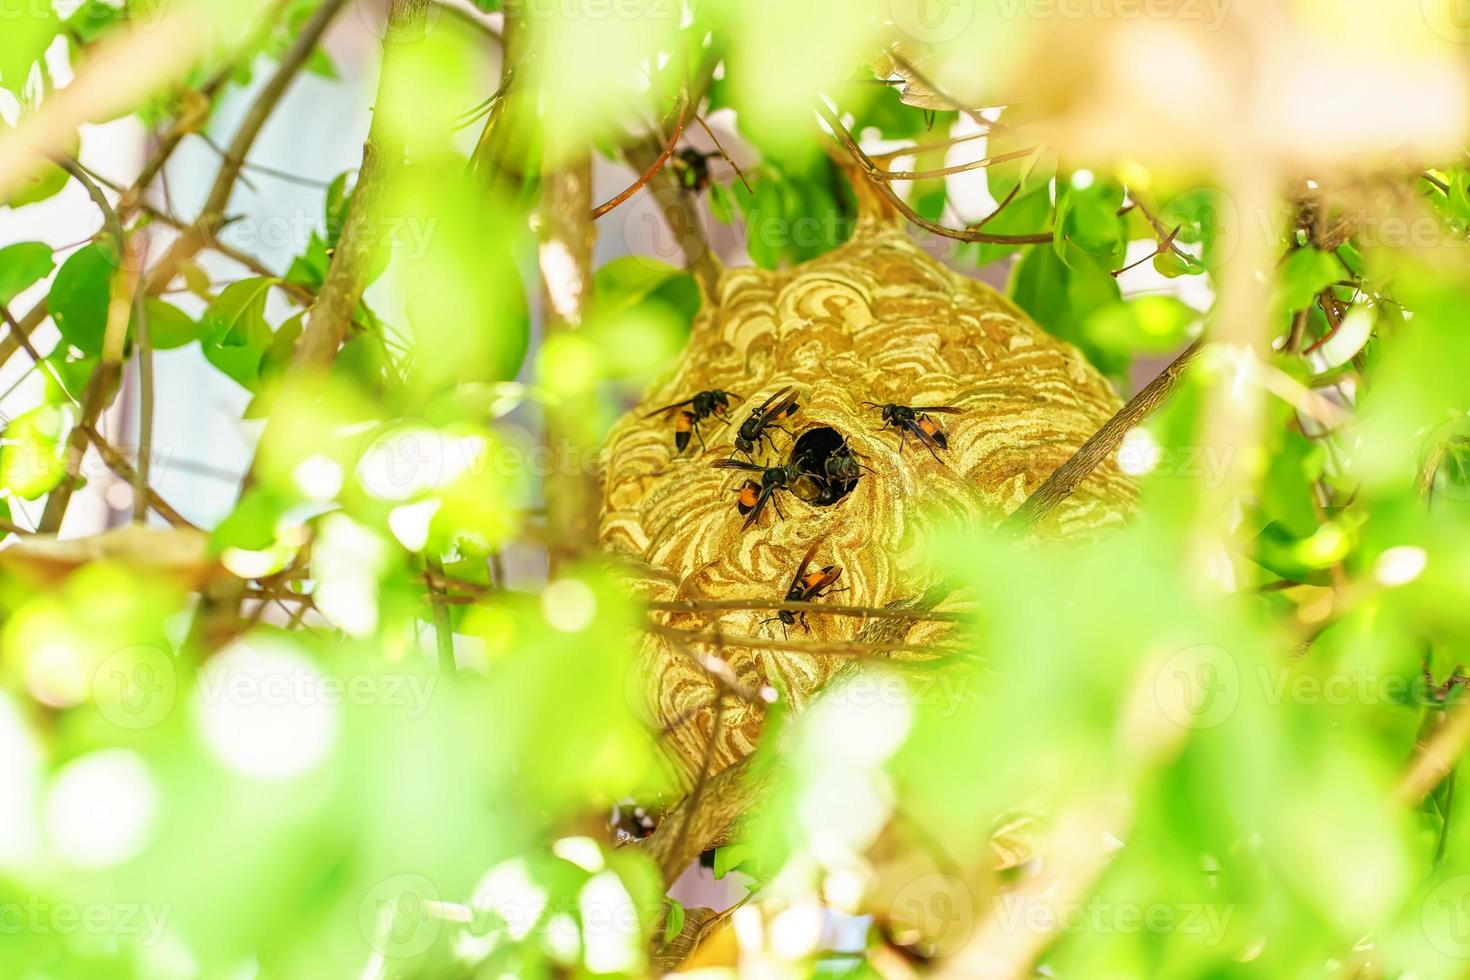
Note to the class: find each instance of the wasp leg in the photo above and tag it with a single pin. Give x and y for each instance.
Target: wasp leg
(776, 501)
(702, 446)
(804, 624)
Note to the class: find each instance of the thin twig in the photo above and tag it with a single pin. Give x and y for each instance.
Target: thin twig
(1102, 445)
(813, 647)
(875, 175)
(958, 168)
(861, 612)
(680, 118)
(443, 627)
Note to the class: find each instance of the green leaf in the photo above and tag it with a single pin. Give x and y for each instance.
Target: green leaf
(1026, 215)
(674, 923)
(339, 197)
(733, 857)
(168, 326)
(80, 295)
(1087, 219)
(22, 266)
(92, 19)
(1304, 274)
(43, 182)
(251, 526)
(32, 451)
(234, 333)
(29, 29)
(1148, 324)
(1060, 298)
(625, 282)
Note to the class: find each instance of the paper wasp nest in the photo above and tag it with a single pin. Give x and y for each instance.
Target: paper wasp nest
(876, 320)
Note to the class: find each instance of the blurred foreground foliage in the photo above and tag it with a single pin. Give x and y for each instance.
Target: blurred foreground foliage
(1233, 726)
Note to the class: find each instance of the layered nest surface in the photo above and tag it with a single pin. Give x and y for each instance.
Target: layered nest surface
(874, 321)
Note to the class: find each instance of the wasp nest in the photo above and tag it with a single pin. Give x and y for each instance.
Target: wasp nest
(875, 321)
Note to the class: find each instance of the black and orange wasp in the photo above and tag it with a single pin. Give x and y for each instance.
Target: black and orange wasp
(806, 586)
(781, 405)
(692, 411)
(753, 496)
(915, 419)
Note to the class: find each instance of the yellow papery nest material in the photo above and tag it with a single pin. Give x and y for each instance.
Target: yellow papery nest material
(876, 320)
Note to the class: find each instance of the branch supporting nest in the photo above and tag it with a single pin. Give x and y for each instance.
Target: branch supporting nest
(1067, 477)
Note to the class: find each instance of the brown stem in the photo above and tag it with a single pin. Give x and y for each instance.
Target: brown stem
(330, 319)
(861, 612)
(1103, 444)
(212, 216)
(567, 238)
(680, 118)
(855, 649)
(875, 176)
(958, 168)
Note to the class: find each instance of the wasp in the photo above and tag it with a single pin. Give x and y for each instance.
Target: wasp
(806, 586)
(836, 474)
(791, 477)
(915, 419)
(781, 405)
(692, 167)
(692, 411)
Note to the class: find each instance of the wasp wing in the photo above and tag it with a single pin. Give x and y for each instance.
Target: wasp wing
(669, 408)
(737, 464)
(813, 589)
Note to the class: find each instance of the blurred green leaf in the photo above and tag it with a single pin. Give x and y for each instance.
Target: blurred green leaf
(80, 296)
(23, 265)
(1306, 272)
(32, 452)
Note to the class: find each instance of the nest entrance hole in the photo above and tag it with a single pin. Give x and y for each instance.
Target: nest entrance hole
(824, 453)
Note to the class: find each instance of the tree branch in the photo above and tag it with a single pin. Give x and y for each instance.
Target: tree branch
(1067, 477)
